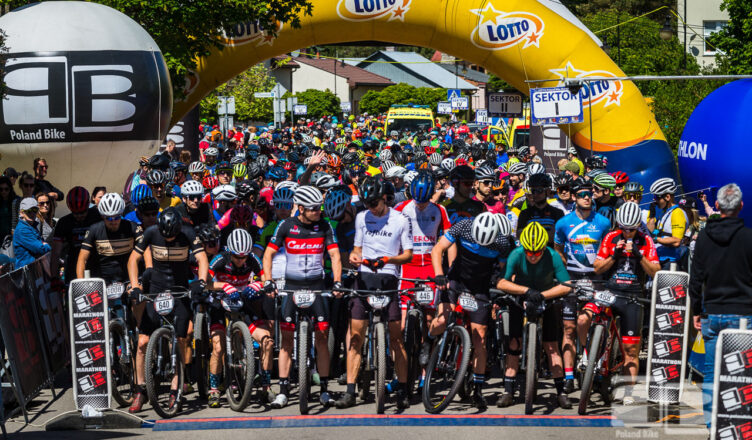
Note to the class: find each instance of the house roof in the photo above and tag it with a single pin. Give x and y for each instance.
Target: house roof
(355, 75)
(288, 63)
(423, 68)
(470, 75)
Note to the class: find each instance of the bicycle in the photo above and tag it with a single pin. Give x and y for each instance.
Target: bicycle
(604, 355)
(122, 346)
(202, 344)
(415, 327)
(240, 357)
(163, 362)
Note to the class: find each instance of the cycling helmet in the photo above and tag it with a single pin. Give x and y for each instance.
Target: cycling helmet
(78, 199)
(224, 193)
(111, 205)
(409, 176)
(534, 237)
(447, 164)
(665, 185)
(535, 168)
(385, 155)
(440, 173)
(207, 233)
(148, 204)
(178, 166)
(399, 157)
(169, 174)
(485, 173)
(211, 151)
(335, 203)
(485, 229)
(169, 222)
(239, 243)
(224, 166)
(246, 189)
(386, 165)
(422, 187)
(605, 181)
(596, 162)
(254, 171)
(236, 160)
(287, 184)
(479, 163)
(462, 172)
(239, 171)
(563, 180)
(191, 188)
(196, 167)
(435, 159)
(505, 226)
(539, 181)
(620, 177)
(210, 182)
(395, 171)
(156, 177)
(159, 162)
(283, 195)
(517, 168)
(372, 189)
(241, 215)
(492, 156)
(335, 161)
(308, 197)
(276, 173)
(523, 151)
(581, 185)
(629, 215)
(139, 192)
(633, 187)
(349, 158)
(325, 181)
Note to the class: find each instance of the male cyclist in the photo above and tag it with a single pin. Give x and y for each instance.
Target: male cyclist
(283, 204)
(667, 222)
(462, 205)
(605, 203)
(193, 210)
(538, 209)
(70, 232)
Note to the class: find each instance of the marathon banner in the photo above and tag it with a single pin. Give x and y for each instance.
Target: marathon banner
(89, 343)
(669, 326)
(732, 388)
(185, 133)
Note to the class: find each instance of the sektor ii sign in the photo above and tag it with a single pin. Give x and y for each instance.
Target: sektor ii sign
(501, 30)
(362, 10)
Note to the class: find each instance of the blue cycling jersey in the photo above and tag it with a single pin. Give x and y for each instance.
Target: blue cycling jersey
(581, 238)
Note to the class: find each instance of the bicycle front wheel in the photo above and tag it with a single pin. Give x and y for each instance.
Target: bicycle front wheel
(240, 366)
(412, 348)
(122, 366)
(202, 353)
(531, 367)
(380, 334)
(446, 370)
(587, 381)
(304, 376)
(160, 373)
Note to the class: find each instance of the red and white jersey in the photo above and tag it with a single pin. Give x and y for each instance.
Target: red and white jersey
(427, 226)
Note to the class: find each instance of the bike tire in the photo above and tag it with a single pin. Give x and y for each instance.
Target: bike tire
(159, 343)
(609, 382)
(202, 341)
(240, 367)
(531, 367)
(587, 380)
(461, 337)
(380, 387)
(502, 344)
(123, 385)
(304, 374)
(412, 348)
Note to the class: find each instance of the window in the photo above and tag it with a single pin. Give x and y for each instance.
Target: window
(709, 28)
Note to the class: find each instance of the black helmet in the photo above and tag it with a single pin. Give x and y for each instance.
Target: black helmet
(207, 233)
(148, 204)
(169, 222)
(581, 185)
(462, 172)
(246, 188)
(563, 180)
(159, 162)
(539, 181)
(389, 192)
(440, 173)
(372, 189)
(254, 171)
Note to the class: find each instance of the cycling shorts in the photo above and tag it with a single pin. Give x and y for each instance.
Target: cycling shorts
(375, 281)
(480, 316)
(570, 309)
(630, 318)
(259, 310)
(417, 272)
(319, 309)
(551, 331)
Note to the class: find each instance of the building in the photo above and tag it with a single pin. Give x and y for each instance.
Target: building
(703, 17)
(281, 69)
(472, 73)
(348, 82)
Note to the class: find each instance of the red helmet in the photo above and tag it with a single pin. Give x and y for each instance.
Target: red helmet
(620, 177)
(78, 199)
(430, 150)
(289, 166)
(241, 216)
(210, 182)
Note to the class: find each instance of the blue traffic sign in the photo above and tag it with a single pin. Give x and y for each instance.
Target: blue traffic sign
(453, 93)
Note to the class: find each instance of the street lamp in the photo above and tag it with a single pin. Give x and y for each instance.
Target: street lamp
(667, 31)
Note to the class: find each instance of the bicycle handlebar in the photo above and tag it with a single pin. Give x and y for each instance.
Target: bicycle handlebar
(589, 292)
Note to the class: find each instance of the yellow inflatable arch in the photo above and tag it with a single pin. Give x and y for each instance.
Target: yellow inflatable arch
(517, 40)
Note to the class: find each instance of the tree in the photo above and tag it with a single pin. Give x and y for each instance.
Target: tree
(735, 40)
(375, 102)
(242, 87)
(496, 84)
(320, 102)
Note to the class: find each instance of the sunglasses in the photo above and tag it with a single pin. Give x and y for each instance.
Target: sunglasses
(193, 198)
(40, 203)
(563, 189)
(113, 218)
(538, 190)
(157, 185)
(314, 209)
(628, 229)
(632, 196)
(584, 194)
(534, 253)
(238, 256)
(486, 182)
(224, 173)
(42, 166)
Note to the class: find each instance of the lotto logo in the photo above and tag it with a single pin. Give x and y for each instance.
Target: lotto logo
(738, 361)
(735, 398)
(672, 294)
(665, 348)
(668, 320)
(664, 374)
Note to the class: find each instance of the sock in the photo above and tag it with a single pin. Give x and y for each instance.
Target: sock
(284, 386)
(479, 378)
(138, 389)
(401, 386)
(324, 381)
(266, 377)
(510, 384)
(569, 373)
(559, 384)
(351, 388)
(213, 381)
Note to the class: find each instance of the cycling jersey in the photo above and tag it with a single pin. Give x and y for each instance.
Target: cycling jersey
(279, 261)
(382, 237)
(468, 209)
(200, 216)
(170, 258)
(493, 206)
(71, 234)
(607, 209)
(304, 245)
(223, 270)
(427, 226)
(345, 233)
(580, 238)
(109, 250)
(475, 264)
(547, 273)
(565, 207)
(672, 222)
(627, 275)
(546, 216)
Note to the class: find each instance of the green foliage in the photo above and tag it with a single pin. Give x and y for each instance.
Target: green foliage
(375, 102)
(631, 7)
(319, 102)
(735, 40)
(242, 87)
(496, 84)
(3, 58)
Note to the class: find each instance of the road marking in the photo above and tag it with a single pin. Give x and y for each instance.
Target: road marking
(678, 416)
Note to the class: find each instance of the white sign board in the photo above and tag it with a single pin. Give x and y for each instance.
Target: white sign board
(264, 94)
(555, 105)
(460, 103)
(505, 104)
(481, 116)
(225, 105)
(346, 107)
(444, 108)
(300, 109)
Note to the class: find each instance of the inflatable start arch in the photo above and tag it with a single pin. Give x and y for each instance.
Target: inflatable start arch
(517, 40)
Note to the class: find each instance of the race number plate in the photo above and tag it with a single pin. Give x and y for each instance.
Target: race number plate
(424, 297)
(468, 303)
(604, 297)
(115, 291)
(378, 301)
(164, 303)
(304, 298)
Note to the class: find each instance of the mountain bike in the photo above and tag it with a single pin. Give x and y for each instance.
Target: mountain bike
(415, 327)
(202, 344)
(122, 345)
(240, 358)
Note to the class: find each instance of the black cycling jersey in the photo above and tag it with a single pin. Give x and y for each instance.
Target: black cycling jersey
(546, 216)
(305, 245)
(203, 215)
(109, 251)
(222, 269)
(345, 236)
(475, 264)
(71, 234)
(170, 258)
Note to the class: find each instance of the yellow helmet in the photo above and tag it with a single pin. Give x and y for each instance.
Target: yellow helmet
(534, 237)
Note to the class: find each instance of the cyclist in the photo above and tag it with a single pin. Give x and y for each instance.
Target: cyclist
(145, 214)
(462, 206)
(564, 199)
(70, 232)
(517, 171)
(305, 238)
(481, 245)
(166, 248)
(382, 242)
(485, 175)
(621, 179)
(667, 222)
(605, 203)
(538, 209)
(233, 272)
(578, 235)
(626, 257)
(225, 197)
(193, 210)
(283, 204)
(535, 271)
(157, 179)
(197, 171)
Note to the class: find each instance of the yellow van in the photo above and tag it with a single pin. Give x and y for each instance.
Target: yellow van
(409, 117)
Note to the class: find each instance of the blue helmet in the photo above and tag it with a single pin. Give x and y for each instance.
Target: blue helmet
(139, 192)
(276, 173)
(422, 187)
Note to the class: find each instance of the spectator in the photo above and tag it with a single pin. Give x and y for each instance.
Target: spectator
(97, 194)
(720, 286)
(171, 151)
(42, 185)
(7, 200)
(46, 216)
(26, 184)
(185, 155)
(27, 242)
(572, 156)
(11, 174)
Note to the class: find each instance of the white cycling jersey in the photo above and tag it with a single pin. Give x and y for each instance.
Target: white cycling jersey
(385, 236)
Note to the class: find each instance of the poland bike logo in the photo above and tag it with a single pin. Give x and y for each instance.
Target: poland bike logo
(362, 10)
(498, 30)
(593, 92)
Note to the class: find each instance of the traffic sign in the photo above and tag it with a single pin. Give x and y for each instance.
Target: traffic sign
(460, 103)
(505, 104)
(481, 116)
(300, 109)
(264, 94)
(555, 105)
(453, 93)
(346, 107)
(444, 108)
(225, 105)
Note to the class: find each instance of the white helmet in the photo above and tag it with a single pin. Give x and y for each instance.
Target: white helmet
(287, 184)
(629, 215)
(239, 242)
(325, 182)
(224, 193)
(211, 151)
(505, 226)
(448, 164)
(191, 188)
(308, 197)
(535, 168)
(665, 185)
(517, 168)
(435, 159)
(386, 165)
(196, 167)
(395, 171)
(485, 228)
(409, 176)
(111, 205)
(385, 155)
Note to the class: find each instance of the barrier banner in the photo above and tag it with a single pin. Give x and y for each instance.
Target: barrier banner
(89, 336)
(21, 335)
(732, 399)
(669, 326)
